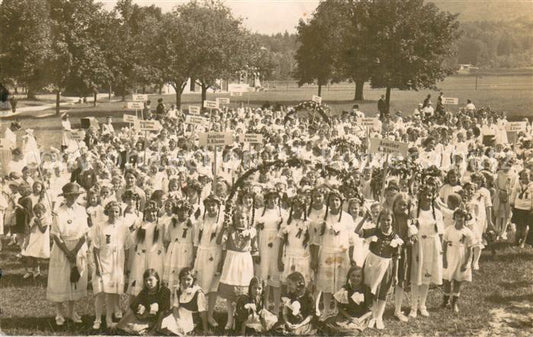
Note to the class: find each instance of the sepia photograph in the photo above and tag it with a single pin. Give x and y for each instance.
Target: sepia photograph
(266, 168)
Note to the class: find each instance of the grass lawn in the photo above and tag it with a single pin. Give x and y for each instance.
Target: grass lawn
(499, 302)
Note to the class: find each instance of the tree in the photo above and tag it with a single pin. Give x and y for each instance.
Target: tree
(319, 40)
(26, 43)
(218, 43)
(77, 61)
(411, 43)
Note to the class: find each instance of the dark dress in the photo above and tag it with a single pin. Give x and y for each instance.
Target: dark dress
(400, 227)
(23, 216)
(141, 323)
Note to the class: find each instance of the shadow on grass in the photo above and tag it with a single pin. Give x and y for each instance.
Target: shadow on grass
(515, 285)
(16, 280)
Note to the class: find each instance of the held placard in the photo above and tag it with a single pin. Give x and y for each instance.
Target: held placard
(139, 98)
(211, 104)
(378, 145)
(317, 99)
(516, 126)
(135, 105)
(215, 138)
(129, 118)
(196, 120)
(251, 138)
(450, 100)
(143, 125)
(194, 109)
(223, 101)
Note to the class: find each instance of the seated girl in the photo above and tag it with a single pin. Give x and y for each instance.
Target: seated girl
(250, 314)
(189, 300)
(298, 308)
(353, 300)
(147, 307)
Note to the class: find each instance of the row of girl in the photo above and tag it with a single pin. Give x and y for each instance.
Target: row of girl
(347, 258)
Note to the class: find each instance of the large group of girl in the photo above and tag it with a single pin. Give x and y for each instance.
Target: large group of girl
(316, 242)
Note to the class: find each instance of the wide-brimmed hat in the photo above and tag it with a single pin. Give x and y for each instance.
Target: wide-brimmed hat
(71, 189)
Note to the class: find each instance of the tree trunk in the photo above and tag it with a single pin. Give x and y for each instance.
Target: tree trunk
(58, 97)
(95, 94)
(109, 91)
(30, 94)
(144, 90)
(160, 89)
(179, 91)
(359, 85)
(204, 92)
(387, 99)
(320, 89)
(193, 85)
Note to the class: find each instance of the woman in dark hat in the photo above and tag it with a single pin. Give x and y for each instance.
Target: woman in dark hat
(67, 275)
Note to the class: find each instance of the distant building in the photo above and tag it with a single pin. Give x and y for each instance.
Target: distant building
(466, 68)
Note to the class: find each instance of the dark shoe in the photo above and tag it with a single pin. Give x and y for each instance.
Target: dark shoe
(445, 301)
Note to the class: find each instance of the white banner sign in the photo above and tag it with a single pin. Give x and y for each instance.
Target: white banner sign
(223, 101)
(215, 138)
(317, 99)
(252, 138)
(143, 125)
(77, 135)
(194, 109)
(211, 104)
(450, 100)
(135, 105)
(129, 118)
(368, 122)
(196, 120)
(139, 98)
(516, 126)
(378, 145)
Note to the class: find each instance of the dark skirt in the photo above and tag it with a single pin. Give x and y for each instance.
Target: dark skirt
(404, 267)
(521, 218)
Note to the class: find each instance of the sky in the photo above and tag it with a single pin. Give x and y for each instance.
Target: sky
(259, 16)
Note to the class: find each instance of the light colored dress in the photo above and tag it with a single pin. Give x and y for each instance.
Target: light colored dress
(189, 301)
(70, 225)
(209, 253)
(296, 255)
(180, 250)
(426, 265)
(268, 239)
(458, 241)
(149, 252)
(111, 240)
(38, 244)
(334, 257)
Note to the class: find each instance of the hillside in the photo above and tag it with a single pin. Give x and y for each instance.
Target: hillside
(488, 10)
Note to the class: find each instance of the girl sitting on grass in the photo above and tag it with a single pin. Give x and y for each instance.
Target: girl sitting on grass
(188, 301)
(251, 315)
(147, 307)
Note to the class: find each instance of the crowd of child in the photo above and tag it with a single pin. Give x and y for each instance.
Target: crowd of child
(305, 231)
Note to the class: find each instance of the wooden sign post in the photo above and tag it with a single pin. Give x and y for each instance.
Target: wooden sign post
(215, 139)
(379, 145)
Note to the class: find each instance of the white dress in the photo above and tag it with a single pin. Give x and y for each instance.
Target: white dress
(111, 240)
(180, 250)
(458, 241)
(209, 253)
(296, 256)
(268, 244)
(427, 250)
(38, 245)
(31, 151)
(70, 225)
(189, 301)
(147, 253)
(334, 259)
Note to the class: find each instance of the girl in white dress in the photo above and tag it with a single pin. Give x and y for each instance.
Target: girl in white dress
(38, 243)
(294, 252)
(187, 299)
(337, 233)
(457, 251)
(268, 226)
(426, 262)
(179, 238)
(148, 247)
(110, 241)
(208, 252)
